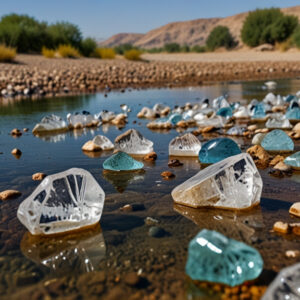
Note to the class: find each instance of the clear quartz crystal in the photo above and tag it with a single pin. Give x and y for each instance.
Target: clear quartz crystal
(232, 183)
(286, 286)
(83, 119)
(63, 202)
(103, 142)
(278, 121)
(132, 142)
(185, 145)
(50, 123)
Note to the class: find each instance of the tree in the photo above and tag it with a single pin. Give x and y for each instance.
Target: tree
(220, 36)
(296, 37)
(88, 47)
(172, 47)
(121, 49)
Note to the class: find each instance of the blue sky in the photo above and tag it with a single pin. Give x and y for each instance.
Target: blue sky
(103, 18)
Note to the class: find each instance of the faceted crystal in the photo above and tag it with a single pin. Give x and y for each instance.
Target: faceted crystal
(259, 111)
(82, 119)
(133, 142)
(105, 116)
(293, 161)
(121, 161)
(277, 140)
(278, 122)
(232, 183)
(50, 123)
(225, 112)
(103, 142)
(218, 149)
(215, 258)
(286, 286)
(220, 102)
(293, 114)
(185, 145)
(63, 202)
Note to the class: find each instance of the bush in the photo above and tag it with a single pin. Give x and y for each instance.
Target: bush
(220, 36)
(198, 49)
(49, 53)
(267, 26)
(284, 46)
(88, 47)
(105, 53)
(185, 48)
(121, 49)
(133, 54)
(68, 51)
(296, 37)
(7, 54)
(172, 47)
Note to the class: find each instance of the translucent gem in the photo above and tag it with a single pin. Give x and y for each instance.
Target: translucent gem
(277, 140)
(293, 160)
(278, 122)
(214, 257)
(236, 131)
(147, 113)
(289, 98)
(241, 112)
(286, 285)
(220, 102)
(293, 114)
(105, 116)
(259, 111)
(121, 161)
(174, 118)
(83, 119)
(216, 121)
(225, 112)
(133, 142)
(185, 145)
(232, 183)
(257, 139)
(62, 202)
(218, 149)
(50, 123)
(103, 142)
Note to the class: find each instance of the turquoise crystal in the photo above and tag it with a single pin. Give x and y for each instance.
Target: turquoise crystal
(225, 112)
(293, 114)
(293, 160)
(259, 111)
(215, 258)
(121, 161)
(218, 149)
(175, 118)
(277, 140)
(289, 98)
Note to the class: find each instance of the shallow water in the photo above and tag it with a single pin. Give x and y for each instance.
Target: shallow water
(121, 243)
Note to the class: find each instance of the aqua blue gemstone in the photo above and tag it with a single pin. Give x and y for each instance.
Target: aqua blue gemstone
(225, 112)
(121, 161)
(175, 118)
(293, 114)
(289, 98)
(277, 140)
(218, 149)
(215, 258)
(293, 160)
(259, 111)
(235, 105)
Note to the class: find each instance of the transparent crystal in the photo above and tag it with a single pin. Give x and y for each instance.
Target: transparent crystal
(121, 161)
(216, 121)
(259, 111)
(50, 123)
(218, 149)
(232, 183)
(293, 160)
(278, 122)
(242, 112)
(236, 131)
(83, 119)
(63, 202)
(105, 116)
(225, 112)
(277, 140)
(220, 102)
(133, 142)
(147, 113)
(214, 257)
(174, 118)
(103, 142)
(286, 286)
(185, 145)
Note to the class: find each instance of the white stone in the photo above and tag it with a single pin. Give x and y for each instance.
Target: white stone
(63, 202)
(216, 121)
(50, 123)
(232, 183)
(103, 142)
(185, 145)
(278, 122)
(242, 112)
(82, 119)
(257, 139)
(271, 84)
(105, 116)
(147, 113)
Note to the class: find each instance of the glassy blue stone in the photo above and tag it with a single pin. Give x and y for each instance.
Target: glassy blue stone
(259, 111)
(293, 160)
(235, 105)
(121, 161)
(215, 258)
(175, 118)
(225, 112)
(293, 114)
(294, 104)
(277, 140)
(289, 98)
(218, 149)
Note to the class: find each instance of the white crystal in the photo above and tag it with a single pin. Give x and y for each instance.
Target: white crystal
(133, 142)
(147, 113)
(105, 116)
(242, 112)
(62, 202)
(50, 123)
(82, 119)
(103, 142)
(216, 121)
(232, 183)
(278, 121)
(161, 108)
(286, 285)
(271, 84)
(185, 145)
(257, 139)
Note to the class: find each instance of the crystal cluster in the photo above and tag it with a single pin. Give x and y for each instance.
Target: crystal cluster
(233, 183)
(185, 145)
(277, 140)
(63, 202)
(121, 161)
(50, 123)
(215, 258)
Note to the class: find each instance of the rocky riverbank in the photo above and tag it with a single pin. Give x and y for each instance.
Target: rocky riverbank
(36, 76)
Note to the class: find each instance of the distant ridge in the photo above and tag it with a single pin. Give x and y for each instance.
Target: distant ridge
(190, 33)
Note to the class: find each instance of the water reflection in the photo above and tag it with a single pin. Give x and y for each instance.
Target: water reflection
(239, 225)
(97, 154)
(52, 138)
(74, 252)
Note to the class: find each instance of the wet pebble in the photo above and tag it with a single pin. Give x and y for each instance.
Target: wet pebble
(16, 151)
(132, 279)
(167, 175)
(16, 132)
(9, 194)
(38, 176)
(155, 231)
(174, 163)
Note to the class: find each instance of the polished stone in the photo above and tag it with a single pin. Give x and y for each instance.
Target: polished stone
(277, 140)
(293, 160)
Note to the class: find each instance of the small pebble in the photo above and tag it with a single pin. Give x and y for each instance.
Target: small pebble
(132, 279)
(9, 194)
(167, 175)
(174, 163)
(16, 132)
(16, 151)
(151, 221)
(150, 156)
(281, 227)
(155, 231)
(38, 176)
(295, 209)
(292, 253)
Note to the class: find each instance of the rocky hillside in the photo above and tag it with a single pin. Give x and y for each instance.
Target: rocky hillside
(193, 32)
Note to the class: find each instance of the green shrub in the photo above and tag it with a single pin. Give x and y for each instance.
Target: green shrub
(154, 50)
(7, 54)
(185, 48)
(88, 47)
(121, 49)
(105, 53)
(49, 53)
(220, 36)
(67, 51)
(133, 54)
(198, 49)
(296, 37)
(172, 47)
(267, 26)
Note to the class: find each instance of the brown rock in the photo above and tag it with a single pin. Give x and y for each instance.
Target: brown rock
(152, 156)
(297, 127)
(292, 253)
(182, 124)
(276, 160)
(16, 132)
(260, 156)
(25, 129)
(281, 166)
(295, 209)
(90, 146)
(294, 135)
(132, 279)
(262, 130)
(278, 108)
(78, 126)
(167, 175)
(295, 228)
(281, 227)
(126, 207)
(207, 129)
(9, 194)
(252, 127)
(38, 176)
(174, 163)
(16, 151)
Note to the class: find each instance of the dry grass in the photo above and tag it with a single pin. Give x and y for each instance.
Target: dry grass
(49, 53)
(7, 54)
(68, 51)
(133, 54)
(284, 46)
(105, 53)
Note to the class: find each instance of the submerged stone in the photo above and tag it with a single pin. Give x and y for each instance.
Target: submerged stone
(218, 149)
(277, 140)
(293, 160)
(63, 202)
(133, 142)
(185, 145)
(215, 258)
(121, 161)
(286, 285)
(50, 123)
(232, 183)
